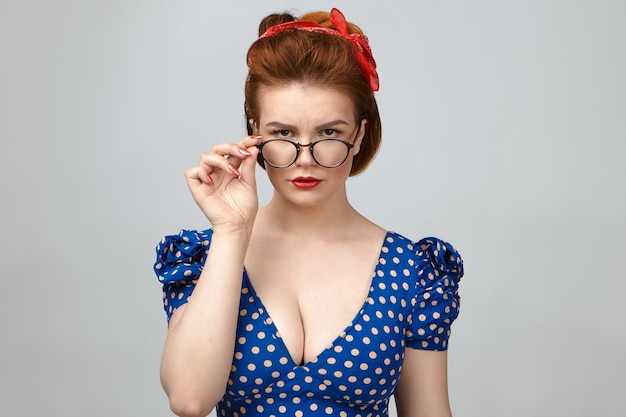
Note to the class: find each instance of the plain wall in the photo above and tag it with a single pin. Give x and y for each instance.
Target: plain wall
(504, 133)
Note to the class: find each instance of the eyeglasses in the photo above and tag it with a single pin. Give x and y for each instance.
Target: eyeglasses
(327, 153)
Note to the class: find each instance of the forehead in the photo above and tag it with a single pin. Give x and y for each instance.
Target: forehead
(299, 104)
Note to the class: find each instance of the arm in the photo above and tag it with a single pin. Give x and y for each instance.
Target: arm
(201, 336)
(200, 342)
(423, 387)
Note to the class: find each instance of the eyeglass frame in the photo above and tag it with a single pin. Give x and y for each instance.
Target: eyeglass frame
(299, 146)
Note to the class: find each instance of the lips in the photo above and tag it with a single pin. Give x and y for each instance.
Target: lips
(305, 182)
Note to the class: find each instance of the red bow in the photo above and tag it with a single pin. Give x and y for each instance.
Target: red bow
(363, 52)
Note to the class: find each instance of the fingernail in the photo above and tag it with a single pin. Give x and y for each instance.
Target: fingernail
(257, 137)
(233, 170)
(244, 152)
(210, 180)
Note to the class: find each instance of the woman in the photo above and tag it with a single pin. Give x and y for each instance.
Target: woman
(303, 307)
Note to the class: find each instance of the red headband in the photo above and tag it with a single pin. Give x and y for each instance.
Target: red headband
(363, 52)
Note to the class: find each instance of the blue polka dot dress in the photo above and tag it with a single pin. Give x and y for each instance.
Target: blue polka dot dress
(412, 302)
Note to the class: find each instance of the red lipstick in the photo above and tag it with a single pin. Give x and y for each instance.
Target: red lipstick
(305, 182)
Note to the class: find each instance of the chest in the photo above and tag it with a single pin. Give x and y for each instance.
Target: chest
(361, 363)
(358, 368)
(312, 294)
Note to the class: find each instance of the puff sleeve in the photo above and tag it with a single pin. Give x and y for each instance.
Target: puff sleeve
(436, 301)
(179, 262)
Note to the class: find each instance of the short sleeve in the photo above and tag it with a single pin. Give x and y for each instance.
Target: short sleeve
(436, 300)
(179, 262)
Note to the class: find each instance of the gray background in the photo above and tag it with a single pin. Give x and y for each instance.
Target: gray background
(504, 133)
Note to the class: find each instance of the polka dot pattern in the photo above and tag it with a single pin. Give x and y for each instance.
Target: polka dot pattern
(179, 262)
(412, 302)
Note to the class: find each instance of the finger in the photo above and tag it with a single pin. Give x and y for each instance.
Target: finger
(232, 151)
(212, 161)
(244, 151)
(250, 141)
(198, 174)
(248, 167)
(229, 157)
(236, 152)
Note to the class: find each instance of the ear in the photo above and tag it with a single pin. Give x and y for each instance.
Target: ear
(359, 137)
(252, 128)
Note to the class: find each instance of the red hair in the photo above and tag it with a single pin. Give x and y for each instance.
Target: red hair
(315, 59)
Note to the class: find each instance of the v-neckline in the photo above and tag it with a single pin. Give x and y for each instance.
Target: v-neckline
(357, 316)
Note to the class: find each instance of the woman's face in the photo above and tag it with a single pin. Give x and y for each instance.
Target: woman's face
(307, 114)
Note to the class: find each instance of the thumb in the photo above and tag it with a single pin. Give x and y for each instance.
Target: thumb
(248, 167)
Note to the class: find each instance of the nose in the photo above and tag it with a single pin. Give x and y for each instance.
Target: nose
(305, 157)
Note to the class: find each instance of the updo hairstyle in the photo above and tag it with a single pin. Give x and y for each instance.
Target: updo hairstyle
(317, 59)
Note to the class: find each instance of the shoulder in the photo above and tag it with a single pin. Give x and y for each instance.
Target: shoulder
(179, 262)
(179, 255)
(428, 252)
(440, 255)
(436, 268)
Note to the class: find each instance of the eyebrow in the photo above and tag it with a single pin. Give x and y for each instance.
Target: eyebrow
(292, 127)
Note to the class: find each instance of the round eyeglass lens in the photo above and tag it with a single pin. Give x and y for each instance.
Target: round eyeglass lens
(330, 152)
(279, 153)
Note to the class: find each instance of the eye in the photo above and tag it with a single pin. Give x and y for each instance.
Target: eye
(284, 133)
(330, 133)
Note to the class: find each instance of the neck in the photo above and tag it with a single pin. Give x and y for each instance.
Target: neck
(319, 220)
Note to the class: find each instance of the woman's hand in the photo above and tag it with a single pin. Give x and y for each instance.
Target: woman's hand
(224, 185)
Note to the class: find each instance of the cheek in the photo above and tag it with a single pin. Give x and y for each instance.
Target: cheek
(276, 176)
(342, 172)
